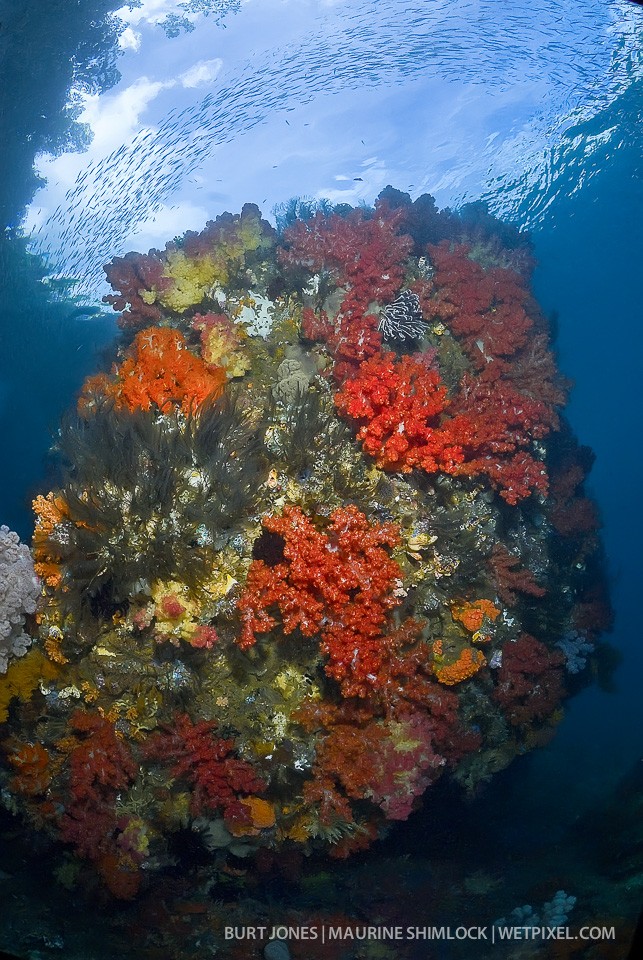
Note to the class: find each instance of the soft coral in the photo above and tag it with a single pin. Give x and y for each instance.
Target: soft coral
(218, 778)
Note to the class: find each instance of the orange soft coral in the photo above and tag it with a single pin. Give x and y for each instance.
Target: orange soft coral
(158, 370)
(50, 511)
(32, 765)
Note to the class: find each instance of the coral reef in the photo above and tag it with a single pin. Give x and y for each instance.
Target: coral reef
(318, 538)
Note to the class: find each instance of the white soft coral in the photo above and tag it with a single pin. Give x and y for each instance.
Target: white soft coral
(19, 590)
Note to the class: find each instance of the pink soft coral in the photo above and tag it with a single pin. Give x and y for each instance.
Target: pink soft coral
(366, 254)
(486, 310)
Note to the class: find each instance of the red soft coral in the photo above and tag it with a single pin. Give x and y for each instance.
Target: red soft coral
(530, 681)
(338, 585)
(486, 310)
(101, 766)
(219, 780)
(350, 338)
(572, 514)
(398, 404)
(406, 421)
(365, 254)
(389, 762)
(322, 573)
(510, 577)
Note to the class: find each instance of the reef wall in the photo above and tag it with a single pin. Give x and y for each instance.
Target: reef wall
(320, 539)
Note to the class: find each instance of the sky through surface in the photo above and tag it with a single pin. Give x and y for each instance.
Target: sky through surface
(329, 98)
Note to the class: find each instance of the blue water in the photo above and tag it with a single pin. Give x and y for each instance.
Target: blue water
(589, 252)
(586, 216)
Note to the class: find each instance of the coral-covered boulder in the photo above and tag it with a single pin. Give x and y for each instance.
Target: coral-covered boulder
(319, 538)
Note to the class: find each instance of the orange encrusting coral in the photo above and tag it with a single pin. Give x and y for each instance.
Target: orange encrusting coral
(262, 817)
(158, 370)
(467, 665)
(472, 614)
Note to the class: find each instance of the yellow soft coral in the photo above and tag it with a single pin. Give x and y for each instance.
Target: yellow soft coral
(175, 611)
(250, 233)
(23, 677)
(193, 277)
(208, 260)
(178, 614)
(222, 344)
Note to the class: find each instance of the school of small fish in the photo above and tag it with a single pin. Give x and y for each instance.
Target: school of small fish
(381, 44)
